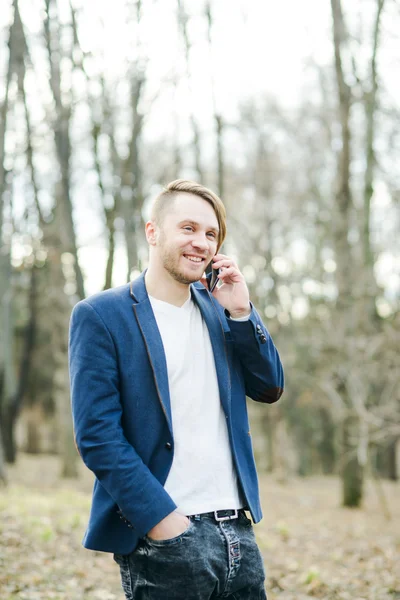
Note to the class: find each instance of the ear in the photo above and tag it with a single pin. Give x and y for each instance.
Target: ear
(151, 230)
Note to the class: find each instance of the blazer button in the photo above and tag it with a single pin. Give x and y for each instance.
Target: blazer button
(263, 339)
(168, 446)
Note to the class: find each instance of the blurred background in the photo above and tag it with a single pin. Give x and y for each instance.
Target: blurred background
(290, 112)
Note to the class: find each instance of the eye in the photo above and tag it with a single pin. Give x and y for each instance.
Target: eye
(188, 228)
(212, 234)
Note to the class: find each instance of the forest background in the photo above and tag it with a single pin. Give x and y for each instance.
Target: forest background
(290, 113)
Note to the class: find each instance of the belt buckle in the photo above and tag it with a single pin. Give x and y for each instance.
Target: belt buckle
(227, 518)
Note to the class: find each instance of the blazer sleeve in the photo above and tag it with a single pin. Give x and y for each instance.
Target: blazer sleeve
(262, 367)
(97, 412)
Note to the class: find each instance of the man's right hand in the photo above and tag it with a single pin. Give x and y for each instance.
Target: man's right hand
(171, 526)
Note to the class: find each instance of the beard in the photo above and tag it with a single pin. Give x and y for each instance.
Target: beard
(171, 266)
(170, 258)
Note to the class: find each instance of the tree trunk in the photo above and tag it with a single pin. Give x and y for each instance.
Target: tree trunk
(7, 373)
(3, 476)
(218, 120)
(132, 202)
(386, 461)
(10, 379)
(61, 310)
(177, 151)
(326, 446)
(33, 419)
(110, 213)
(62, 139)
(370, 110)
(268, 429)
(15, 404)
(182, 24)
(110, 216)
(69, 455)
(393, 472)
(352, 471)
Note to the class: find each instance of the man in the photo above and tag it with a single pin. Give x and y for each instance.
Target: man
(160, 369)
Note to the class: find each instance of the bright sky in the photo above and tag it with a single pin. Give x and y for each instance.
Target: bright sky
(258, 45)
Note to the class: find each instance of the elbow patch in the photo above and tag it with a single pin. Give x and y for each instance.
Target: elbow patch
(270, 395)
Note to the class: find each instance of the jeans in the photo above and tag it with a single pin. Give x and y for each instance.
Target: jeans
(208, 561)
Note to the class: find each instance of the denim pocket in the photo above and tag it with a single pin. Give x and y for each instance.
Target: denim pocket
(169, 541)
(126, 580)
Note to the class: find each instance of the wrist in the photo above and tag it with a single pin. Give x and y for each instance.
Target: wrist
(238, 314)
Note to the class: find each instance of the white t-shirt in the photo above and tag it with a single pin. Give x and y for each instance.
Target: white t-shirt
(203, 476)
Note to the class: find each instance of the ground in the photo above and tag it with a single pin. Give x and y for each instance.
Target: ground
(312, 547)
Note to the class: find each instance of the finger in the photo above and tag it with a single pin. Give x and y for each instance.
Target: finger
(228, 262)
(230, 273)
(220, 257)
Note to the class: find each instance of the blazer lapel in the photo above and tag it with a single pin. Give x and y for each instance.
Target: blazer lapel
(151, 335)
(219, 332)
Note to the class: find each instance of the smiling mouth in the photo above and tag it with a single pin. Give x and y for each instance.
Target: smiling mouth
(194, 259)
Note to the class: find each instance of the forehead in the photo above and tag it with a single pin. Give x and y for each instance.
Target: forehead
(193, 208)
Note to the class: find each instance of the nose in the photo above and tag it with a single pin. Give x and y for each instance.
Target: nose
(200, 241)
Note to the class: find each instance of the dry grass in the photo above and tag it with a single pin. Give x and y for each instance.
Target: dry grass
(312, 547)
(315, 548)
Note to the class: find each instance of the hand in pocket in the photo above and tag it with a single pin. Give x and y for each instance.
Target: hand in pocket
(170, 527)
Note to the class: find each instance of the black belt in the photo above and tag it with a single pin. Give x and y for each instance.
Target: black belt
(221, 515)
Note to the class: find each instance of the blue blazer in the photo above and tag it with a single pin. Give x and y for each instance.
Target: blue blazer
(122, 413)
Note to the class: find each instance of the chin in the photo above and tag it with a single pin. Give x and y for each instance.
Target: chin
(188, 278)
(182, 277)
(190, 273)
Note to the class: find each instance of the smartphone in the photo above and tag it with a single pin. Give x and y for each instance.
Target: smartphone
(214, 280)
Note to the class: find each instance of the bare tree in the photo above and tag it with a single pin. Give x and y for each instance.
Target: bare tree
(182, 22)
(356, 293)
(61, 126)
(218, 119)
(8, 382)
(352, 469)
(101, 121)
(51, 240)
(370, 103)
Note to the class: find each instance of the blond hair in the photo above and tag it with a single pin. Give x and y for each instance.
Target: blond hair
(165, 200)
